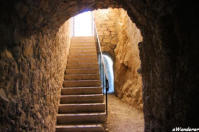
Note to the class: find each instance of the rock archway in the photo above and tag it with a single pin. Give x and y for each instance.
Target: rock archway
(31, 67)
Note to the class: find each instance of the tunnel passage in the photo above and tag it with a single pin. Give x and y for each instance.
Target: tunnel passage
(119, 37)
(109, 67)
(31, 72)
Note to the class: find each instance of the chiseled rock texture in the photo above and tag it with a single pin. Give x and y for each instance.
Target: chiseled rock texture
(119, 37)
(31, 75)
(168, 53)
(128, 82)
(106, 21)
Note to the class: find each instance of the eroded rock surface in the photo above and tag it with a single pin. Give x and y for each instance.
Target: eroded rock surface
(31, 77)
(119, 37)
(169, 54)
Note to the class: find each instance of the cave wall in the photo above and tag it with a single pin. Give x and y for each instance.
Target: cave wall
(119, 37)
(106, 21)
(31, 76)
(168, 52)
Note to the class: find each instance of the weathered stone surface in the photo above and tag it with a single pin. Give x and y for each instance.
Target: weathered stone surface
(106, 21)
(128, 83)
(123, 46)
(169, 54)
(31, 79)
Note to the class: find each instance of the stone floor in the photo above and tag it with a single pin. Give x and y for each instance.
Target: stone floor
(123, 117)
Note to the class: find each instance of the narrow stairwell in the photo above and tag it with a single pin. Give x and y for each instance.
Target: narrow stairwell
(82, 107)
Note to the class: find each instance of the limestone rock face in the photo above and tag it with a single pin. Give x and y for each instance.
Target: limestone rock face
(120, 37)
(31, 79)
(168, 53)
(106, 21)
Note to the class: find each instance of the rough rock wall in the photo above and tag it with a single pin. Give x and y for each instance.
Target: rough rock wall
(106, 21)
(120, 37)
(128, 82)
(169, 51)
(31, 76)
(169, 73)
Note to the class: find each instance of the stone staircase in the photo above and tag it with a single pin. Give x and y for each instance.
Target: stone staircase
(82, 107)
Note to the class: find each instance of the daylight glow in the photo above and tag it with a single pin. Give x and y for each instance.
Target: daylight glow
(83, 25)
(109, 66)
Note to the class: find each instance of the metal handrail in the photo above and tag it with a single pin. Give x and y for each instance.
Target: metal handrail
(102, 66)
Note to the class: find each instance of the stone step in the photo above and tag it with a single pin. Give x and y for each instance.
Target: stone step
(84, 46)
(79, 47)
(81, 90)
(81, 118)
(86, 42)
(83, 42)
(82, 56)
(81, 108)
(81, 77)
(90, 52)
(81, 83)
(80, 60)
(80, 128)
(82, 65)
(90, 98)
(87, 54)
(82, 39)
(81, 71)
(87, 49)
(83, 51)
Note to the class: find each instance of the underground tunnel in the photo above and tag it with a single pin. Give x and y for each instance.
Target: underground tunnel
(35, 41)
